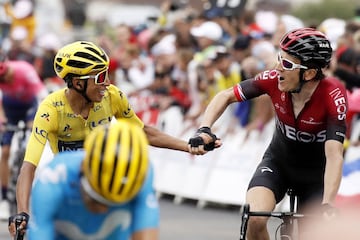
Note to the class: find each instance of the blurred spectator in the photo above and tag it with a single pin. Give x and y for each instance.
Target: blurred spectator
(249, 26)
(263, 56)
(44, 62)
(22, 16)
(228, 73)
(267, 21)
(241, 47)
(345, 68)
(219, 16)
(75, 12)
(285, 24)
(136, 71)
(347, 38)
(357, 41)
(20, 49)
(123, 36)
(333, 28)
(168, 68)
(357, 15)
(164, 52)
(179, 74)
(261, 107)
(5, 23)
(22, 90)
(207, 35)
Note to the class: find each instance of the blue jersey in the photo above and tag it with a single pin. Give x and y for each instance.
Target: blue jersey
(58, 211)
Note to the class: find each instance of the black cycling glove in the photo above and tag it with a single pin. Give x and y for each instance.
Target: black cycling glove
(198, 141)
(18, 218)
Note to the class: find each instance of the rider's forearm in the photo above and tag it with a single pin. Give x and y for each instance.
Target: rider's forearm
(333, 170)
(24, 185)
(217, 107)
(159, 139)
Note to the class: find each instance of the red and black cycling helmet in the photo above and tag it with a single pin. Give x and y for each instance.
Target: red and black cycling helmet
(309, 45)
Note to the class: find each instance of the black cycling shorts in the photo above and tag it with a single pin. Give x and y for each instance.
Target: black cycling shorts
(273, 175)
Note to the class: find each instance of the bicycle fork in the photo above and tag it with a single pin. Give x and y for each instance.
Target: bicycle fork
(287, 227)
(244, 221)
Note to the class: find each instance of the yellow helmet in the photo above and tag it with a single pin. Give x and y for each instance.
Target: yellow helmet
(79, 58)
(116, 162)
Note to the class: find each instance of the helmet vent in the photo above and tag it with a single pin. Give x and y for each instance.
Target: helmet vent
(87, 56)
(128, 166)
(58, 67)
(116, 160)
(100, 66)
(101, 54)
(78, 64)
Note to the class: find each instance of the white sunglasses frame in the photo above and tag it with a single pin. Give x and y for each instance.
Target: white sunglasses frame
(294, 65)
(96, 76)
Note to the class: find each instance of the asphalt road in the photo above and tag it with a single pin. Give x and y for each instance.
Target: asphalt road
(187, 222)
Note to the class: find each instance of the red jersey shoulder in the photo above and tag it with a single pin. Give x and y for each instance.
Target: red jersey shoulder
(267, 75)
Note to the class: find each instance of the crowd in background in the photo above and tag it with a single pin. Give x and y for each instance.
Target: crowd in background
(183, 57)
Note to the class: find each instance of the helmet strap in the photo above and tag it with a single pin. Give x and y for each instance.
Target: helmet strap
(301, 82)
(82, 91)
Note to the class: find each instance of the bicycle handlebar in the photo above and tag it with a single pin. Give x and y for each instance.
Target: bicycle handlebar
(271, 214)
(247, 213)
(276, 214)
(18, 234)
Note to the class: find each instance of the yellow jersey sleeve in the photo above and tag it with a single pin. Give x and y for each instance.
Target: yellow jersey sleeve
(45, 122)
(121, 106)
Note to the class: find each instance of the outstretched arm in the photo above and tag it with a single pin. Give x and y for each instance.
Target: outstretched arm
(24, 185)
(333, 170)
(160, 139)
(213, 111)
(217, 107)
(23, 189)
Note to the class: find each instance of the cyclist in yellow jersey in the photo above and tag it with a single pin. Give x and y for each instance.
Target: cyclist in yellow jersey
(66, 129)
(67, 115)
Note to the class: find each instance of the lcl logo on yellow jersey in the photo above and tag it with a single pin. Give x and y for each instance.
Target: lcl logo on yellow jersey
(40, 132)
(102, 121)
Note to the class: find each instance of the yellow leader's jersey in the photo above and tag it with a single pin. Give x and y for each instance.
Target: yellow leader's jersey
(56, 122)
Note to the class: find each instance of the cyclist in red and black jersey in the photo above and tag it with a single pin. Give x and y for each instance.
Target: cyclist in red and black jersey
(306, 152)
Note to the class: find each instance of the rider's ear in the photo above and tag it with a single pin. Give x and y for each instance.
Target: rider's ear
(310, 74)
(77, 84)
